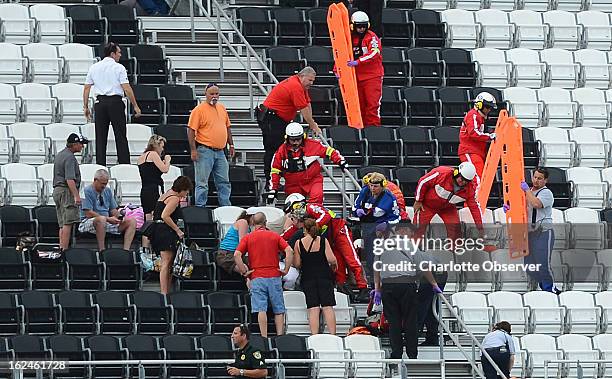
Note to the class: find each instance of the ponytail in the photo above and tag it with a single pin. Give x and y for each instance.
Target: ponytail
(311, 228)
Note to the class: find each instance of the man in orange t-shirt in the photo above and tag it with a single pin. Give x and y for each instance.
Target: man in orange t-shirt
(280, 108)
(209, 133)
(263, 246)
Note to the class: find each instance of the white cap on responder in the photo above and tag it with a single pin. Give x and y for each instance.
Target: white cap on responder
(291, 200)
(485, 99)
(467, 170)
(294, 129)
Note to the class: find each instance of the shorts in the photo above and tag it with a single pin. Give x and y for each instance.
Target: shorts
(319, 293)
(87, 226)
(67, 210)
(263, 289)
(225, 260)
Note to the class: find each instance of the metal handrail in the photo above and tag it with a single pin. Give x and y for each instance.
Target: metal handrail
(548, 362)
(436, 308)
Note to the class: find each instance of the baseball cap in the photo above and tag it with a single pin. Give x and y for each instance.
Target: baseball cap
(77, 138)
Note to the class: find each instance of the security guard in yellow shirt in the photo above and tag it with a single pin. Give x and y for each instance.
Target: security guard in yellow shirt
(250, 362)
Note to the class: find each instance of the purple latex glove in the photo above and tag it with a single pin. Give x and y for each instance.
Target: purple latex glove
(506, 208)
(524, 186)
(381, 227)
(436, 289)
(352, 63)
(337, 75)
(377, 296)
(360, 212)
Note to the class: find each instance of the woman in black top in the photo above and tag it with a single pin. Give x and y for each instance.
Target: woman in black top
(166, 235)
(151, 167)
(314, 256)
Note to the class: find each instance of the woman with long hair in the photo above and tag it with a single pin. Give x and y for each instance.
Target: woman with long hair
(314, 256)
(151, 167)
(167, 234)
(225, 255)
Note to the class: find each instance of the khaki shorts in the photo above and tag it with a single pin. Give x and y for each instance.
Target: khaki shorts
(67, 210)
(225, 260)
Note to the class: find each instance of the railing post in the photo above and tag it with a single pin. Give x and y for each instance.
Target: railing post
(250, 81)
(219, 43)
(191, 16)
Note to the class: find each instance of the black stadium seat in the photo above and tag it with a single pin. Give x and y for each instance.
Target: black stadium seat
(499, 98)
(291, 346)
(47, 229)
(363, 171)
(29, 347)
(291, 28)
(383, 146)
(79, 314)
(216, 347)
(183, 347)
(200, 226)
(560, 186)
(15, 220)
(418, 147)
(392, 107)
(455, 104)
(144, 347)
(226, 311)
(14, 270)
(88, 27)
(107, 348)
(429, 30)
(42, 315)
(459, 69)
(448, 143)
(122, 273)
(11, 315)
(152, 66)
(123, 26)
(407, 179)
(203, 276)
(396, 70)
(322, 60)
(151, 105)
(180, 100)
(397, 30)
(244, 186)
(319, 32)
(69, 348)
(117, 315)
(153, 314)
(531, 148)
(324, 106)
(283, 61)
(401, 4)
(85, 271)
(126, 60)
(421, 107)
(348, 141)
(177, 144)
(191, 315)
(425, 67)
(256, 25)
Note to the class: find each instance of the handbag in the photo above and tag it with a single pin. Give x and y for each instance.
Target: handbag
(183, 262)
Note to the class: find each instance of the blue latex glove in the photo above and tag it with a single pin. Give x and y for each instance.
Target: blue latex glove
(360, 212)
(352, 63)
(524, 186)
(506, 208)
(337, 75)
(493, 136)
(381, 227)
(436, 289)
(377, 295)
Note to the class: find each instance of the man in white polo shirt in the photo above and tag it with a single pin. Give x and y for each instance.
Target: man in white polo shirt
(109, 81)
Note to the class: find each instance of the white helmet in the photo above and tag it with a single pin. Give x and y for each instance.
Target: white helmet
(292, 200)
(294, 129)
(485, 99)
(360, 18)
(467, 170)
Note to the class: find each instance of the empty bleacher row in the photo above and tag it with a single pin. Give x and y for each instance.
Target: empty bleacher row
(88, 24)
(508, 5)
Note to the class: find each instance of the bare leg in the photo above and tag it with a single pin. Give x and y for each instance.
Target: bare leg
(128, 228)
(100, 225)
(330, 319)
(64, 236)
(279, 321)
(313, 319)
(145, 239)
(165, 277)
(262, 320)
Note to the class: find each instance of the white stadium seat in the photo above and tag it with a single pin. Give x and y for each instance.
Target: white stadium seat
(497, 31)
(296, 314)
(366, 349)
(586, 231)
(539, 348)
(538, 5)
(593, 110)
(38, 105)
(606, 176)
(472, 5)
(31, 145)
(58, 133)
(508, 306)
(561, 70)
(559, 109)
(51, 23)
(345, 313)
(556, 150)
(561, 229)
(570, 5)
(602, 5)
(565, 33)
(595, 68)
(45, 65)
(169, 177)
(589, 190)
(591, 149)
(603, 342)
(597, 29)
(523, 103)
(18, 26)
(138, 137)
(23, 187)
(604, 300)
(463, 31)
(492, 68)
(583, 271)
(584, 317)
(88, 171)
(128, 182)
(473, 309)
(326, 346)
(45, 173)
(77, 60)
(546, 315)
(70, 102)
(13, 66)
(504, 5)
(579, 347)
(531, 32)
(10, 105)
(226, 217)
(528, 71)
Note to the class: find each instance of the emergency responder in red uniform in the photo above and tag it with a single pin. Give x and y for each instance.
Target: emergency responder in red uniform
(473, 140)
(297, 161)
(368, 63)
(335, 230)
(438, 193)
(397, 192)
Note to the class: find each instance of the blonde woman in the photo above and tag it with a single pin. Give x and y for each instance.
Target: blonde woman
(151, 167)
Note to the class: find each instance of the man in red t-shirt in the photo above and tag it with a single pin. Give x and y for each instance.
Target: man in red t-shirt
(280, 108)
(263, 246)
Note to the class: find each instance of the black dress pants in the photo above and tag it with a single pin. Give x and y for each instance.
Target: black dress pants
(273, 132)
(111, 110)
(400, 310)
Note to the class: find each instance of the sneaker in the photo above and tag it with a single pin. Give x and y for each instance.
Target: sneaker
(343, 288)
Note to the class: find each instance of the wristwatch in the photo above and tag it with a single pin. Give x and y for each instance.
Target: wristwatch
(241, 372)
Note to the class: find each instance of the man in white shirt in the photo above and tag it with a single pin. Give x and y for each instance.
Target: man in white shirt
(109, 81)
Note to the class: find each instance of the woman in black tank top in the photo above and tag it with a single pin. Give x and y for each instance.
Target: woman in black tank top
(314, 256)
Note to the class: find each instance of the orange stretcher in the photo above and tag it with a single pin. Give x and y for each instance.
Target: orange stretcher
(342, 48)
(508, 147)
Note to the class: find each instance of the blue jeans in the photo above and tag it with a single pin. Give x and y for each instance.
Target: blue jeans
(155, 6)
(212, 161)
(267, 290)
(540, 249)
